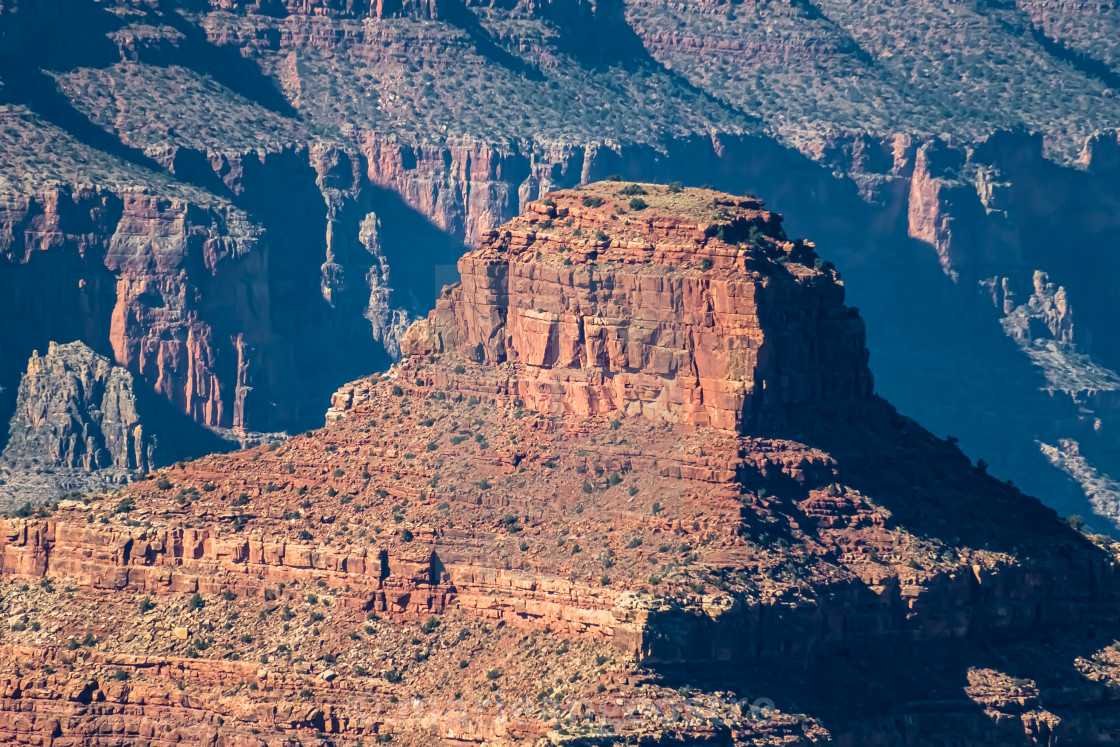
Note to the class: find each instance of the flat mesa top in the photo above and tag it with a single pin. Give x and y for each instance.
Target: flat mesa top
(672, 201)
(655, 225)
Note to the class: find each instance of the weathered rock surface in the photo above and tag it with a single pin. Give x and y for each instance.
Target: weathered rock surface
(693, 309)
(289, 124)
(79, 410)
(76, 414)
(453, 530)
(80, 424)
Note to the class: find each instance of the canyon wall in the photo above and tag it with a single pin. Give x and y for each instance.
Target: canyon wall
(642, 334)
(337, 182)
(633, 452)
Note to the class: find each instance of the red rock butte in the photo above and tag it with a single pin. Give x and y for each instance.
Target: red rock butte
(682, 305)
(635, 447)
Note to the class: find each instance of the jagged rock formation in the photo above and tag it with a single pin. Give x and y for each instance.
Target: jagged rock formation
(475, 524)
(80, 424)
(80, 410)
(282, 132)
(76, 413)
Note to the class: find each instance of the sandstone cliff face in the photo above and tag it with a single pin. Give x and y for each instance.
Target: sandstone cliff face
(154, 280)
(381, 132)
(496, 515)
(688, 320)
(181, 296)
(993, 214)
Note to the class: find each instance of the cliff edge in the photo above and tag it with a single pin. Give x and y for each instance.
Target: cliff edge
(629, 485)
(682, 305)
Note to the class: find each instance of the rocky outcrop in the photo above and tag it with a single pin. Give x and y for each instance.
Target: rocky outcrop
(705, 319)
(1046, 313)
(78, 410)
(326, 138)
(181, 296)
(151, 276)
(76, 426)
(80, 424)
(495, 514)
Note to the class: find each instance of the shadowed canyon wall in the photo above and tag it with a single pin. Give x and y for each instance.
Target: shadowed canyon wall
(283, 246)
(632, 455)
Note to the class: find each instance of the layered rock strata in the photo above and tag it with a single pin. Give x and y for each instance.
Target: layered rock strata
(301, 120)
(694, 309)
(507, 520)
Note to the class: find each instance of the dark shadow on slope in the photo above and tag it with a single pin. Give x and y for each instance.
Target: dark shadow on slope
(176, 437)
(55, 296)
(24, 83)
(327, 349)
(318, 305)
(422, 258)
(934, 693)
(80, 38)
(869, 661)
(929, 487)
(814, 13)
(1024, 24)
(601, 37)
(1087, 64)
(604, 37)
(460, 16)
(82, 41)
(883, 674)
(938, 351)
(226, 65)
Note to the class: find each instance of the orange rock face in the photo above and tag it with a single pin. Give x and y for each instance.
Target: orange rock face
(149, 280)
(635, 448)
(692, 308)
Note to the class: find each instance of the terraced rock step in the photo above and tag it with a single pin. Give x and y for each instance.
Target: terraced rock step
(630, 473)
